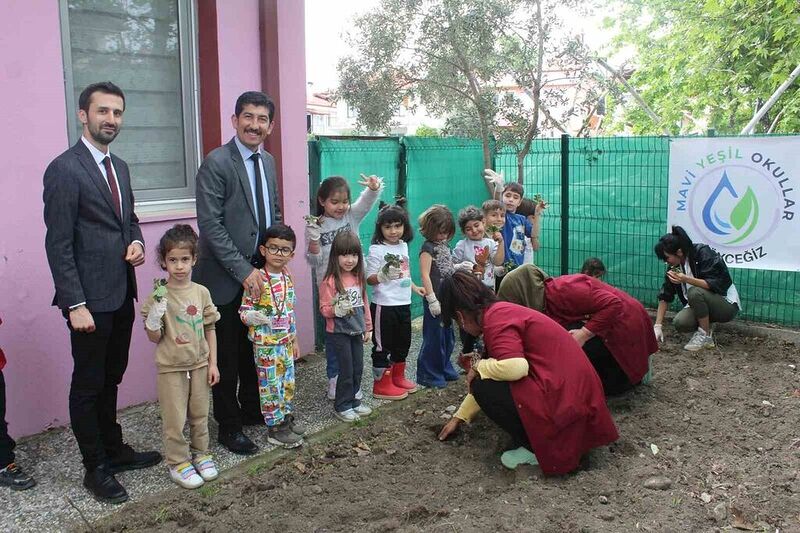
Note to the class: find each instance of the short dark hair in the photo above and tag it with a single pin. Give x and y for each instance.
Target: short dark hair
(393, 214)
(513, 186)
(492, 205)
(594, 267)
(256, 98)
(280, 231)
(469, 214)
(102, 87)
(178, 236)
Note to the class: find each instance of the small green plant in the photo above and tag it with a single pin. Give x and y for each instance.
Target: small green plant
(257, 468)
(159, 289)
(162, 515)
(208, 490)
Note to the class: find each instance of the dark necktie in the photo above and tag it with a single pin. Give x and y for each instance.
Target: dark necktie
(112, 184)
(262, 215)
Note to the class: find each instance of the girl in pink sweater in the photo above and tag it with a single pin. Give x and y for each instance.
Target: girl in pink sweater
(343, 303)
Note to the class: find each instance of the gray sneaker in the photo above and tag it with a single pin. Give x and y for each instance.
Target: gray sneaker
(699, 341)
(282, 435)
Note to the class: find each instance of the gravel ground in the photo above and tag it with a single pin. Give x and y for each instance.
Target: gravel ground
(59, 502)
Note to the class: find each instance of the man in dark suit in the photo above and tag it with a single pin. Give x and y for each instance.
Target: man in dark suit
(93, 243)
(237, 199)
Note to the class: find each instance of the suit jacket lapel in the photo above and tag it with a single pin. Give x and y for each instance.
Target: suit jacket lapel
(244, 180)
(86, 159)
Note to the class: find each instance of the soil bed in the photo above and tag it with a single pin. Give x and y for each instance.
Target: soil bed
(723, 426)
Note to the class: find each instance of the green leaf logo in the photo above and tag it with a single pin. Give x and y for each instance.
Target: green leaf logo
(746, 211)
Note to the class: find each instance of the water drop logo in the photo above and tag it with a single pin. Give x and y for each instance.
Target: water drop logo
(737, 223)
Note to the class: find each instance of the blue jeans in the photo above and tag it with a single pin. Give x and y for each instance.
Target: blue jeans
(434, 368)
(331, 359)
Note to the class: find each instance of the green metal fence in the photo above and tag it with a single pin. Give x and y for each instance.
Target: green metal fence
(613, 191)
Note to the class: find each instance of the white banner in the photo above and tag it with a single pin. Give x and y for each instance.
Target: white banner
(738, 196)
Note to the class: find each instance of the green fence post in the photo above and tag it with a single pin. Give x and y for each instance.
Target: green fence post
(564, 204)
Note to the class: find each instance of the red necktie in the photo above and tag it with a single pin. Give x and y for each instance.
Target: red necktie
(112, 184)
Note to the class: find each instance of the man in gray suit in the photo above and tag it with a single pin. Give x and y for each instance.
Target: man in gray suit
(237, 199)
(93, 243)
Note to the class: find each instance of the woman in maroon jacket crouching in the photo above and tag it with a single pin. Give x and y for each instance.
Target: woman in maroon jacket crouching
(611, 326)
(534, 381)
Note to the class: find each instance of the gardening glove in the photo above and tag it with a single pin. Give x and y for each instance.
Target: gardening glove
(255, 318)
(659, 332)
(342, 307)
(433, 305)
(154, 316)
(391, 273)
(464, 266)
(496, 180)
(313, 232)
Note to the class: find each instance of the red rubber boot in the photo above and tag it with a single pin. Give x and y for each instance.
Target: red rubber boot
(386, 390)
(399, 378)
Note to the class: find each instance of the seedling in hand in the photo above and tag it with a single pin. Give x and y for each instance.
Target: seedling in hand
(159, 289)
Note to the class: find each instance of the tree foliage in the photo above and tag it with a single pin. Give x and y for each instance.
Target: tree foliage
(711, 63)
(455, 56)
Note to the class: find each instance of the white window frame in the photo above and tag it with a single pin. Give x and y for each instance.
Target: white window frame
(165, 201)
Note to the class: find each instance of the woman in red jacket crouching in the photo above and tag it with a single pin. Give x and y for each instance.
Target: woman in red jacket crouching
(611, 326)
(534, 382)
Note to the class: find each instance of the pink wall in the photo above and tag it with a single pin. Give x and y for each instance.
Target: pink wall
(33, 335)
(239, 56)
(292, 115)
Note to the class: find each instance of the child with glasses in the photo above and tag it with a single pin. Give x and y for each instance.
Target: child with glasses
(271, 329)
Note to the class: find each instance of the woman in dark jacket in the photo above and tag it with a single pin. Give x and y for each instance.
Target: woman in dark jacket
(700, 278)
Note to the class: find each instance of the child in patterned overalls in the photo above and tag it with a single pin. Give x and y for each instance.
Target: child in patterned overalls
(271, 323)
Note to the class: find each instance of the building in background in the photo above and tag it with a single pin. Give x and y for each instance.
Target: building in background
(181, 64)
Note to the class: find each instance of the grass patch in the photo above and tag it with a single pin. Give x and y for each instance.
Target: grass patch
(162, 515)
(257, 468)
(208, 490)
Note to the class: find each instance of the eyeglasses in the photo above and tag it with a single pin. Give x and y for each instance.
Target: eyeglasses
(274, 250)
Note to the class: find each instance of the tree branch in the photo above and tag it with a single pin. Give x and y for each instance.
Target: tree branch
(634, 93)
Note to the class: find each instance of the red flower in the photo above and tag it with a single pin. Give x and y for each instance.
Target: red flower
(191, 310)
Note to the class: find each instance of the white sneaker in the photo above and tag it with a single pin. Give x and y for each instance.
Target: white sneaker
(204, 465)
(359, 395)
(347, 416)
(332, 388)
(186, 476)
(362, 410)
(699, 341)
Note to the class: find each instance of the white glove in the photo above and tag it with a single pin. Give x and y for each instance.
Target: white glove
(390, 274)
(313, 232)
(154, 316)
(433, 305)
(659, 332)
(342, 307)
(464, 266)
(499, 271)
(255, 318)
(495, 179)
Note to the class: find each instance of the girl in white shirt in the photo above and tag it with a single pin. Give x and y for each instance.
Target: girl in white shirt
(389, 273)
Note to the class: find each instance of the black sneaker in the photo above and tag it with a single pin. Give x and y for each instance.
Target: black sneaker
(238, 442)
(14, 477)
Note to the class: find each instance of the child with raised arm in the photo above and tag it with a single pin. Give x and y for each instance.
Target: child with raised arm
(389, 273)
(434, 368)
(179, 318)
(271, 329)
(334, 215)
(344, 304)
(485, 252)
